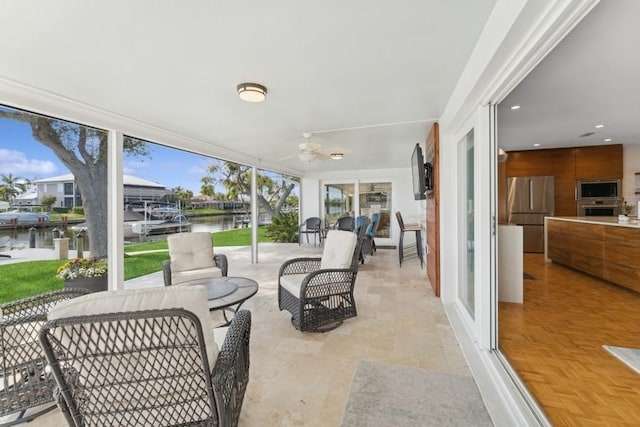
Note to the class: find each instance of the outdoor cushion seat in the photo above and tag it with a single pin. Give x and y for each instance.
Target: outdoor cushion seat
(147, 357)
(191, 257)
(318, 292)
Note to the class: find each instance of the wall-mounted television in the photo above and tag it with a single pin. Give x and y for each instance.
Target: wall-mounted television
(422, 174)
(417, 170)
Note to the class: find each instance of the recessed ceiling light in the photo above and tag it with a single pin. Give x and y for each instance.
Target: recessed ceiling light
(536, 145)
(608, 140)
(515, 107)
(337, 156)
(252, 92)
(599, 126)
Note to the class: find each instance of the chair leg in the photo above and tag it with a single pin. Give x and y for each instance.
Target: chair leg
(401, 248)
(419, 247)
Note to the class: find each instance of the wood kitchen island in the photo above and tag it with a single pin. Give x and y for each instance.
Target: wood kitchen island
(601, 246)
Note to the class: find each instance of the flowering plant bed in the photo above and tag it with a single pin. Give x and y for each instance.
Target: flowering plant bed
(82, 267)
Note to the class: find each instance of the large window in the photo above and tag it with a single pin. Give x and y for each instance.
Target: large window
(338, 202)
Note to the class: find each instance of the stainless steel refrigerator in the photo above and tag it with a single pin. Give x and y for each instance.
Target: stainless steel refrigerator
(530, 199)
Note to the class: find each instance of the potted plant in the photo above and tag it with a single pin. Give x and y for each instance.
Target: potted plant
(89, 273)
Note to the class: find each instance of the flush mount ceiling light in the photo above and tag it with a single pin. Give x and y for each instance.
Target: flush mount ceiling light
(515, 107)
(337, 156)
(608, 140)
(599, 126)
(252, 92)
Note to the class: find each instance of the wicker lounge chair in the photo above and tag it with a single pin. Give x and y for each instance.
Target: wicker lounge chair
(318, 292)
(24, 384)
(147, 364)
(191, 258)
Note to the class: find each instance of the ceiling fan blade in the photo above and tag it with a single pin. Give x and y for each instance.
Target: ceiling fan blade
(290, 156)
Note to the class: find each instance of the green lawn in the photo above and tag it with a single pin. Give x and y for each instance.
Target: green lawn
(24, 279)
(236, 237)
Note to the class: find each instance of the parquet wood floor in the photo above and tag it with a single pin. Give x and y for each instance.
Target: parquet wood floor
(554, 341)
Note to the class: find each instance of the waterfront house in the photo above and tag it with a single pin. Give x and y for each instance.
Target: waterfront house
(68, 196)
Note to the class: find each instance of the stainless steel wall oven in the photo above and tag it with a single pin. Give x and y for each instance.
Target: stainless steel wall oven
(599, 197)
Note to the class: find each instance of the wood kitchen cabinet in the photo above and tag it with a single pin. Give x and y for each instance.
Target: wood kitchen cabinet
(599, 162)
(564, 198)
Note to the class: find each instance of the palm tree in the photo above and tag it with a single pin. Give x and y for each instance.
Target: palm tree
(13, 186)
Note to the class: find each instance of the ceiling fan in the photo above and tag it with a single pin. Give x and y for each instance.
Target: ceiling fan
(309, 151)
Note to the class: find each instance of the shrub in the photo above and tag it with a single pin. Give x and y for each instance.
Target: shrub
(78, 210)
(284, 227)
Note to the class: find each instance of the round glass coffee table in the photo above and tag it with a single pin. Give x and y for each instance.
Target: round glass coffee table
(227, 293)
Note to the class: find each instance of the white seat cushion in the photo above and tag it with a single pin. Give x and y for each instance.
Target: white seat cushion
(201, 273)
(191, 298)
(190, 251)
(292, 283)
(338, 249)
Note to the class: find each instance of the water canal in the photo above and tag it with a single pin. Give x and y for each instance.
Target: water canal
(43, 236)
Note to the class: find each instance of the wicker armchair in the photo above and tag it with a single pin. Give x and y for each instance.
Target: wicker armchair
(318, 292)
(147, 367)
(24, 384)
(192, 258)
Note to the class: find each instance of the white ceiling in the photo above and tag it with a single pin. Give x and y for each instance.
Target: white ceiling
(591, 78)
(327, 65)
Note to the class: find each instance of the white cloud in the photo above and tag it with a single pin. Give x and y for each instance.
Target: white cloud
(15, 162)
(135, 167)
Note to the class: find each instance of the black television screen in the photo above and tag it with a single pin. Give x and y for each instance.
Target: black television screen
(418, 172)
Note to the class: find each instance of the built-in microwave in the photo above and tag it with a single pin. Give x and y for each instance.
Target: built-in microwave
(599, 189)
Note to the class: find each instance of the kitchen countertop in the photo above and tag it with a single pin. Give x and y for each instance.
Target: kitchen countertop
(600, 220)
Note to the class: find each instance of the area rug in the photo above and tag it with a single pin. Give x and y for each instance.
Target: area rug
(629, 356)
(390, 395)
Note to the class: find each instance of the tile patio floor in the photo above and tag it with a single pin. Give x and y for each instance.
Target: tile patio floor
(304, 379)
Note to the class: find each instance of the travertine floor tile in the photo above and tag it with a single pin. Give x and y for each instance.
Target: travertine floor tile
(304, 379)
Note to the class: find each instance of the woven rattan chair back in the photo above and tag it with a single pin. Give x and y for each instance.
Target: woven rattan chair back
(24, 383)
(346, 223)
(147, 368)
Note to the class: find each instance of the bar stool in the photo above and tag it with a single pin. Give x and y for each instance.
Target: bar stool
(409, 250)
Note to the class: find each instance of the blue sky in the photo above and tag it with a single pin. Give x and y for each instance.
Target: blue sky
(23, 156)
